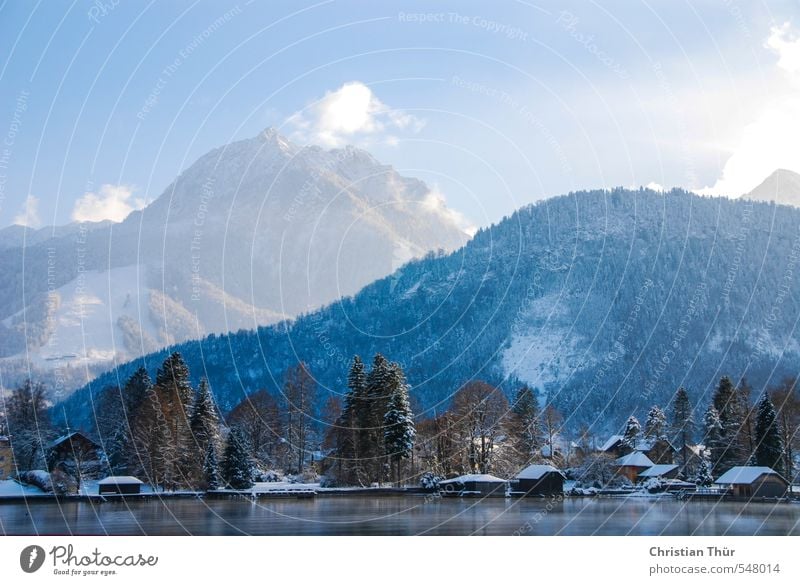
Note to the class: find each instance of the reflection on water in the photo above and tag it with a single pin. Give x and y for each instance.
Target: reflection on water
(401, 515)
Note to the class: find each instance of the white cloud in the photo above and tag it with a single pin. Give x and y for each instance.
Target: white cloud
(770, 141)
(29, 213)
(349, 114)
(113, 202)
(434, 202)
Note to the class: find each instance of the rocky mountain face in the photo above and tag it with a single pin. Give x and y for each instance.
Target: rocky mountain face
(782, 187)
(253, 232)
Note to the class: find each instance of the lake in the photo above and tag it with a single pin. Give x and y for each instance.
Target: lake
(399, 515)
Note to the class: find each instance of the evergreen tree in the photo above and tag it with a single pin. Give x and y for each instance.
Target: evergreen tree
(704, 478)
(398, 422)
(732, 418)
(175, 395)
(714, 443)
(237, 470)
(204, 425)
(631, 434)
(769, 445)
(655, 427)
(370, 421)
(211, 468)
(682, 424)
(354, 411)
(525, 425)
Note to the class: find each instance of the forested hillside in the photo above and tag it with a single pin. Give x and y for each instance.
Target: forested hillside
(604, 301)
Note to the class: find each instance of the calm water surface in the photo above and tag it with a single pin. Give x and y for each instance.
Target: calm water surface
(400, 515)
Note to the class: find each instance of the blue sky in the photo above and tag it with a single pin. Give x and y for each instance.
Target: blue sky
(495, 104)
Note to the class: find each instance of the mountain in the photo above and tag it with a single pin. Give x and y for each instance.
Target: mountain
(17, 236)
(252, 233)
(605, 301)
(782, 187)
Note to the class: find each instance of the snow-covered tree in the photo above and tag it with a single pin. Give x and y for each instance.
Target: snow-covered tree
(682, 424)
(28, 422)
(704, 478)
(398, 422)
(213, 480)
(237, 469)
(204, 425)
(655, 427)
(174, 391)
(524, 425)
(732, 414)
(769, 444)
(630, 435)
(715, 445)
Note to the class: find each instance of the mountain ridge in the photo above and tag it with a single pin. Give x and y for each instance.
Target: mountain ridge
(605, 301)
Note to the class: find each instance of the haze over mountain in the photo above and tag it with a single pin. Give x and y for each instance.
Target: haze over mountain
(605, 301)
(782, 187)
(251, 233)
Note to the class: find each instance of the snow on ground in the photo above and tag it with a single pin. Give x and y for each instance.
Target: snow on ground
(10, 489)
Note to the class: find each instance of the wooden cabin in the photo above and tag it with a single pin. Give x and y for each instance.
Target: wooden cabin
(754, 482)
(657, 450)
(119, 484)
(538, 480)
(632, 464)
(474, 485)
(72, 446)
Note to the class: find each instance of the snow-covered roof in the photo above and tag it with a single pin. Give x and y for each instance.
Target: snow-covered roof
(480, 477)
(119, 479)
(69, 436)
(635, 459)
(612, 440)
(745, 474)
(537, 472)
(658, 470)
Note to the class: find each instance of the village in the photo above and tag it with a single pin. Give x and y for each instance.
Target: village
(646, 470)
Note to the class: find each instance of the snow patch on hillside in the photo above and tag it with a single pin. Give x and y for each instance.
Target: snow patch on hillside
(87, 322)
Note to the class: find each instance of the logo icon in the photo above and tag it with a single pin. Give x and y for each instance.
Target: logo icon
(31, 558)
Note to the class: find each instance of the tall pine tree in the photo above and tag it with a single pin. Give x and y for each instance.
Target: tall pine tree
(732, 416)
(370, 422)
(204, 425)
(769, 445)
(175, 395)
(237, 469)
(525, 426)
(714, 443)
(398, 422)
(682, 424)
(655, 427)
(213, 481)
(630, 435)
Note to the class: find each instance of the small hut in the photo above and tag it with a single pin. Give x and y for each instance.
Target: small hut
(754, 482)
(632, 464)
(119, 484)
(475, 485)
(539, 480)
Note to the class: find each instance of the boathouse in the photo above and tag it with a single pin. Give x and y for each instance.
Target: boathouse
(753, 482)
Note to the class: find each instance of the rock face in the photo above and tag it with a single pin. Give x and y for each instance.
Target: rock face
(251, 233)
(782, 187)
